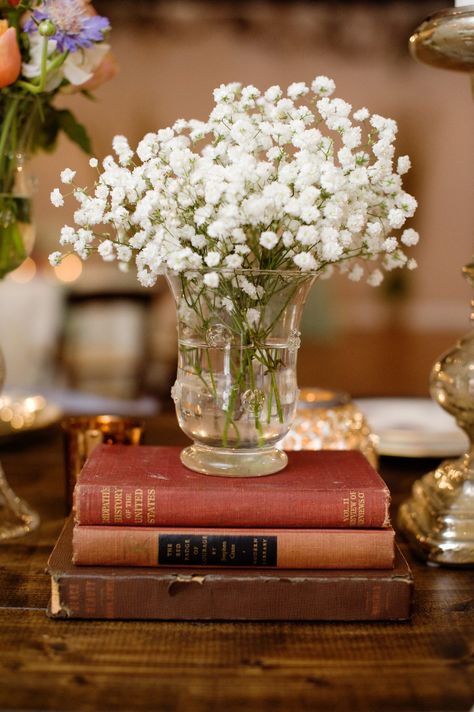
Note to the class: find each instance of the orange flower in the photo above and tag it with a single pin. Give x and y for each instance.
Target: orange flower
(10, 58)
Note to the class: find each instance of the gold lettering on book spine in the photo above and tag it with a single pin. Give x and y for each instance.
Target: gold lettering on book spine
(138, 506)
(352, 508)
(105, 504)
(361, 509)
(345, 510)
(128, 506)
(150, 506)
(118, 505)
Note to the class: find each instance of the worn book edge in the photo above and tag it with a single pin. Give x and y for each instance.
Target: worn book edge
(59, 610)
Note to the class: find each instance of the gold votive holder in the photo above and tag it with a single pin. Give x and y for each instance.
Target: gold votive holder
(330, 420)
(82, 434)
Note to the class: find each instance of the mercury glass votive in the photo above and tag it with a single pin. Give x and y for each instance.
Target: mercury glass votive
(82, 434)
(329, 420)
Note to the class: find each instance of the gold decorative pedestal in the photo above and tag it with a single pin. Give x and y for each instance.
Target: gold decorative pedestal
(439, 517)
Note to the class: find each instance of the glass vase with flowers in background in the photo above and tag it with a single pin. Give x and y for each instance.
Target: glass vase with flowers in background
(46, 48)
(241, 213)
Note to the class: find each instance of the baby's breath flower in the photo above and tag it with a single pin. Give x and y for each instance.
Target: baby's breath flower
(356, 273)
(305, 261)
(212, 259)
(55, 258)
(375, 278)
(297, 90)
(57, 198)
(67, 175)
(268, 239)
(410, 237)
(323, 86)
(122, 149)
(211, 279)
(403, 165)
(361, 114)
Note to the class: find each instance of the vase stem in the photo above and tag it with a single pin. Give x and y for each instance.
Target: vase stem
(16, 516)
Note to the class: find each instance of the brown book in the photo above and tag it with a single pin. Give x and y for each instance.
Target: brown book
(148, 486)
(225, 594)
(273, 548)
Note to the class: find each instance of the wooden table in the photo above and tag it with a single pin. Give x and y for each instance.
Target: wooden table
(425, 664)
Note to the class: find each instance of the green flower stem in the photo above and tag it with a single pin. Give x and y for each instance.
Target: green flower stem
(5, 156)
(211, 374)
(269, 406)
(256, 409)
(274, 390)
(229, 418)
(46, 69)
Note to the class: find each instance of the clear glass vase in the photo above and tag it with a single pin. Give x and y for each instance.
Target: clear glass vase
(16, 225)
(16, 516)
(16, 241)
(236, 389)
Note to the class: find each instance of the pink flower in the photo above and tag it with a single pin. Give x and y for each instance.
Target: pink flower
(10, 58)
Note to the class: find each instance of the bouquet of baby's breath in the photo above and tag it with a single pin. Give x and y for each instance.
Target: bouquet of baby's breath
(269, 181)
(271, 184)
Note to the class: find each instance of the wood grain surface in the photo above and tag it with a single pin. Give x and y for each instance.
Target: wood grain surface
(426, 664)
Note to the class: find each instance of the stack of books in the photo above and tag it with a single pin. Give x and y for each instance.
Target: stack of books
(151, 539)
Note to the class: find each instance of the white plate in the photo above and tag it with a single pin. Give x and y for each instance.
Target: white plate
(20, 413)
(413, 427)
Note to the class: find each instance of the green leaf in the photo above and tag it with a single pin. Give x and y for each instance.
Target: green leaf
(47, 131)
(74, 130)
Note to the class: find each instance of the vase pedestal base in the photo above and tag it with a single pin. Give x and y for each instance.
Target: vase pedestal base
(16, 516)
(438, 519)
(228, 462)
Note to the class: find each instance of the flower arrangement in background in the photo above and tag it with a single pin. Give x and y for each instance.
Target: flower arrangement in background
(271, 190)
(45, 48)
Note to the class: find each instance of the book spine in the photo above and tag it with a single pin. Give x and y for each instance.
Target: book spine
(166, 507)
(291, 548)
(212, 598)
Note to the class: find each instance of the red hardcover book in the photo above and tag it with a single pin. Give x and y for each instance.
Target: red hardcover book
(243, 548)
(96, 592)
(148, 486)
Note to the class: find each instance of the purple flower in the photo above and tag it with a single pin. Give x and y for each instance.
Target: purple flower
(75, 27)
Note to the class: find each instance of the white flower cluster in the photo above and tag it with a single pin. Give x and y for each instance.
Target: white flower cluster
(270, 181)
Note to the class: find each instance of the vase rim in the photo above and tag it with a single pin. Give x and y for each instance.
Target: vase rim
(252, 271)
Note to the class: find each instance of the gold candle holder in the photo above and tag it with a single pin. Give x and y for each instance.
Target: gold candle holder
(82, 435)
(438, 519)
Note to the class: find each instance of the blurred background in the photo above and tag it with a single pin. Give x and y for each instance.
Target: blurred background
(96, 331)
